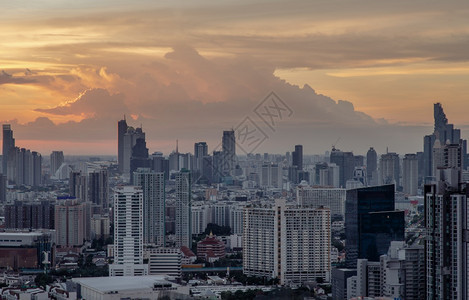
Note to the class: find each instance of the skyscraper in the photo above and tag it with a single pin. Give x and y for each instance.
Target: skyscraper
(346, 163)
(129, 140)
(98, 188)
(153, 186)
(121, 130)
(78, 185)
(8, 145)
(390, 169)
(446, 243)
(139, 158)
(229, 151)
(371, 223)
(444, 133)
(410, 174)
(56, 160)
(128, 233)
(200, 151)
(298, 157)
(183, 209)
(371, 166)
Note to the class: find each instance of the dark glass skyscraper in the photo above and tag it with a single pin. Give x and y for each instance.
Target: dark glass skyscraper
(121, 130)
(298, 157)
(229, 151)
(371, 223)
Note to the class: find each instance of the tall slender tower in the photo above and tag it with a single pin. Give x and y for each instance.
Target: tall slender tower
(371, 166)
(128, 233)
(229, 151)
(8, 145)
(121, 130)
(98, 188)
(183, 209)
(152, 184)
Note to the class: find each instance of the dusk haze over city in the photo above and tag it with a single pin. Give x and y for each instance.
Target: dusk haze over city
(250, 149)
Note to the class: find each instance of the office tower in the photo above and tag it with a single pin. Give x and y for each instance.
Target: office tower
(78, 186)
(56, 160)
(271, 176)
(333, 198)
(288, 243)
(139, 157)
(339, 282)
(389, 171)
(3, 189)
(444, 133)
(153, 186)
(8, 145)
(200, 151)
(98, 188)
(410, 174)
(372, 166)
(121, 130)
(217, 166)
(130, 139)
(420, 168)
(183, 209)
(446, 243)
(128, 233)
(346, 163)
(24, 167)
(297, 157)
(29, 215)
(229, 151)
(359, 160)
(371, 223)
(72, 222)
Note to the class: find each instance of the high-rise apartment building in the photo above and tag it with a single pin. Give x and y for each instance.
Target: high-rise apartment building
(271, 176)
(153, 186)
(78, 185)
(288, 243)
(30, 215)
(410, 174)
(183, 209)
(56, 160)
(72, 222)
(332, 198)
(446, 243)
(128, 233)
(371, 223)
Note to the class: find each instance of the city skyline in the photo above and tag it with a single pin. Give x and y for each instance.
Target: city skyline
(189, 71)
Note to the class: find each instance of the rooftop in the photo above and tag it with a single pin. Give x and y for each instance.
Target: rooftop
(120, 283)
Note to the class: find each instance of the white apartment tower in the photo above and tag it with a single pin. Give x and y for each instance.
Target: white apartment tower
(128, 233)
(289, 243)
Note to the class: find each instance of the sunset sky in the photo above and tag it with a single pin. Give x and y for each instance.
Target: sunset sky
(365, 72)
